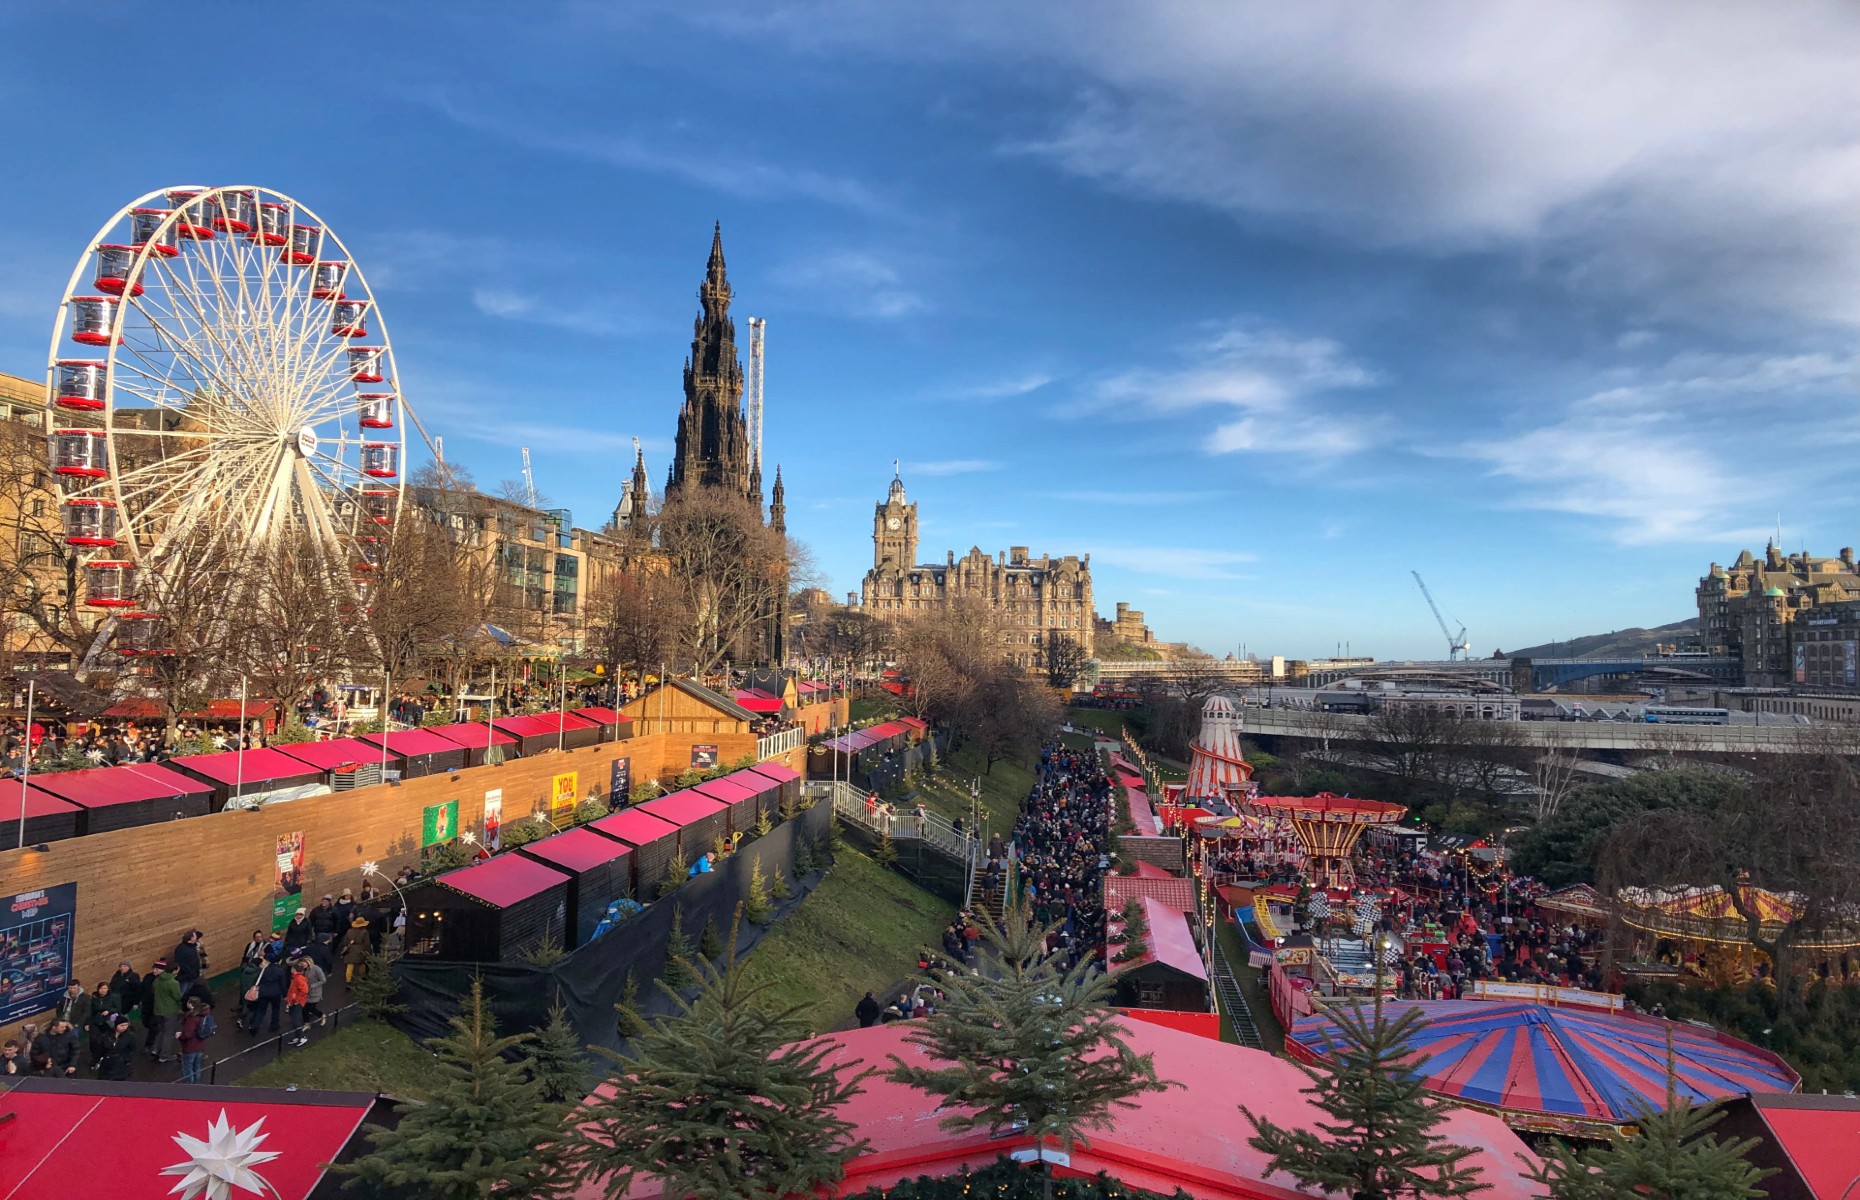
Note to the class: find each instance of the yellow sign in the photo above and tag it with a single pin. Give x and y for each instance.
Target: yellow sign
(562, 793)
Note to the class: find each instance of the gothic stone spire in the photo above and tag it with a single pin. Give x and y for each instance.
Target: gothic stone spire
(778, 504)
(713, 438)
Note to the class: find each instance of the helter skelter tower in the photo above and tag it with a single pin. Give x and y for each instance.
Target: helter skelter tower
(1218, 770)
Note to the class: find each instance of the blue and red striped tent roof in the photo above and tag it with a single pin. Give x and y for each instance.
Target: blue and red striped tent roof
(1546, 1066)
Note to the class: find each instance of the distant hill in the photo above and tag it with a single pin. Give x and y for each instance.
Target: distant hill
(1619, 644)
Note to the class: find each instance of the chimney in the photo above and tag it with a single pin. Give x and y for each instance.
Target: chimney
(1017, 555)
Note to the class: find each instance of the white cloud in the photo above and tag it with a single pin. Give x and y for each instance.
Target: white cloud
(1273, 378)
(951, 466)
(1005, 388)
(1699, 157)
(496, 302)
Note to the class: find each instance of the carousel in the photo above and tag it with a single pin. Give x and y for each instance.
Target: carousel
(1701, 930)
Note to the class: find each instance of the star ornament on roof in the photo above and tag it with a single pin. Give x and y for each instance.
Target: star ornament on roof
(221, 1162)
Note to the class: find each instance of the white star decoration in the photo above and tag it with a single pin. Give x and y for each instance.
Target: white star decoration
(222, 1162)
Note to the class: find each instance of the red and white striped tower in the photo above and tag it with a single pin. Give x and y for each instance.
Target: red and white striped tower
(1218, 770)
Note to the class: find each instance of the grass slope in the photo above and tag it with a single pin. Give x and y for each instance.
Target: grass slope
(946, 792)
(859, 931)
(367, 1056)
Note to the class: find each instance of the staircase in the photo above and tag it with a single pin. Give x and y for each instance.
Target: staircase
(1233, 1001)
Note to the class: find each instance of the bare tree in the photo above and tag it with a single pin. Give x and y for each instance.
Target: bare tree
(301, 621)
(1065, 660)
(729, 573)
(38, 571)
(1406, 741)
(1553, 773)
(199, 596)
(638, 620)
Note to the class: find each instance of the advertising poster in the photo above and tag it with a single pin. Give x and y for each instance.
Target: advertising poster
(494, 820)
(620, 778)
(703, 758)
(287, 896)
(35, 950)
(1801, 663)
(1850, 647)
(562, 795)
(439, 823)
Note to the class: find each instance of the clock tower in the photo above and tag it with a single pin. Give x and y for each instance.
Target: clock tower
(894, 527)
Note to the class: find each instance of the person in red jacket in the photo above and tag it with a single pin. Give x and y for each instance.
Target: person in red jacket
(295, 997)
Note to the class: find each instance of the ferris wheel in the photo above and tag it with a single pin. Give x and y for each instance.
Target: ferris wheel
(219, 372)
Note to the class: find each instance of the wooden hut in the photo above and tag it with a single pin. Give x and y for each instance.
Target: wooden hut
(126, 796)
(251, 776)
(476, 737)
(785, 777)
(599, 870)
(701, 821)
(1171, 974)
(745, 811)
(419, 752)
(654, 842)
(495, 911)
(345, 763)
(614, 724)
(538, 732)
(47, 818)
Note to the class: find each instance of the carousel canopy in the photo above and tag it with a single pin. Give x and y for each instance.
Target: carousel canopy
(1707, 914)
(1563, 1068)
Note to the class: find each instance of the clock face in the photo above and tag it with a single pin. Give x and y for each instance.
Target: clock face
(892, 522)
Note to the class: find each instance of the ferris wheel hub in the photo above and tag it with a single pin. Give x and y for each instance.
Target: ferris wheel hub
(306, 441)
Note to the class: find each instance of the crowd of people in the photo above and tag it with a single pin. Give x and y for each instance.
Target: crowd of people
(1060, 843)
(172, 1011)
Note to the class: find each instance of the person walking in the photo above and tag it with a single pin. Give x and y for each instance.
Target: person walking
(75, 1006)
(57, 1049)
(189, 958)
(357, 947)
(101, 1032)
(296, 996)
(867, 1011)
(193, 1038)
(265, 995)
(316, 977)
(165, 1003)
(117, 1061)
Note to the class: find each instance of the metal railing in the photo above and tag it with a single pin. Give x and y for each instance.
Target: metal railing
(780, 742)
(935, 831)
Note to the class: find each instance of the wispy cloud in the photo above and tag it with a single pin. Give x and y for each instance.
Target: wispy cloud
(1272, 378)
(858, 283)
(939, 468)
(1137, 499)
(716, 168)
(509, 304)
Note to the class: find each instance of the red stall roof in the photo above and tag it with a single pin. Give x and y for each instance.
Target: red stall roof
(504, 880)
(600, 715)
(118, 785)
(578, 850)
(776, 771)
(1819, 1135)
(412, 742)
(37, 803)
(758, 701)
(90, 1138)
(751, 782)
(634, 827)
(726, 790)
(682, 808)
(541, 724)
(1171, 942)
(914, 723)
(260, 766)
(336, 752)
(473, 735)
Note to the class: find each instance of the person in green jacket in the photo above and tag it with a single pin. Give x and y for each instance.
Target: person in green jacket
(165, 995)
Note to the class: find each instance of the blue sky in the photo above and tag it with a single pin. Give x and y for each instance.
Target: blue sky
(1261, 305)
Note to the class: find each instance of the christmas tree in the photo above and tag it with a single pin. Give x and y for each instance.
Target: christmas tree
(1380, 1142)
(628, 1022)
(678, 954)
(722, 1098)
(710, 942)
(779, 889)
(756, 899)
(1135, 934)
(1035, 1047)
(376, 988)
(884, 854)
(487, 1129)
(674, 874)
(556, 1062)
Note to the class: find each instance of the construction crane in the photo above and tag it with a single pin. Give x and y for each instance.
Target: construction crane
(753, 398)
(529, 485)
(1456, 642)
